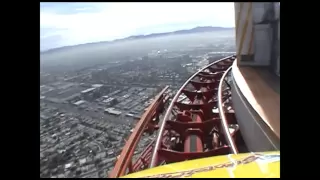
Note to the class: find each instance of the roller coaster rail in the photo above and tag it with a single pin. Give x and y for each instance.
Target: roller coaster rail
(223, 118)
(205, 126)
(147, 123)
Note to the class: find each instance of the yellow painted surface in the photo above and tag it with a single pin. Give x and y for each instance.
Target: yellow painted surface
(255, 165)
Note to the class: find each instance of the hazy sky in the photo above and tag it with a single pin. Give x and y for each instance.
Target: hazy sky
(64, 24)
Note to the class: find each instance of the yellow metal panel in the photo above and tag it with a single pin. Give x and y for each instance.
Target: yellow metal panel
(260, 165)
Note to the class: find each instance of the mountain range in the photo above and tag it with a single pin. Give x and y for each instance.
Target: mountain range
(187, 31)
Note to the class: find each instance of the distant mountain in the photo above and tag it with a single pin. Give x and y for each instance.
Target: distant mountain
(153, 35)
(188, 31)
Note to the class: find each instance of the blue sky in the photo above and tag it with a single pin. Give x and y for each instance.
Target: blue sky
(63, 24)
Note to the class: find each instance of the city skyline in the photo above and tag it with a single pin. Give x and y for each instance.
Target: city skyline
(64, 24)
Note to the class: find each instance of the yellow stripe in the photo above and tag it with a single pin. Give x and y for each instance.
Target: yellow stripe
(238, 18)
(245, 27)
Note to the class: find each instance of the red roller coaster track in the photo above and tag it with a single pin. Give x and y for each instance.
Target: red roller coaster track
(205, 126)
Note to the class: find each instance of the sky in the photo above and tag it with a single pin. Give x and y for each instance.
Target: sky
(64, 24)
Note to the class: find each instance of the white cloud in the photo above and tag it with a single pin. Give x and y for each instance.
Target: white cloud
(117, 20)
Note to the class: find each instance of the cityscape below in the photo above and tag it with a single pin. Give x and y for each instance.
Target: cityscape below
(91, 96)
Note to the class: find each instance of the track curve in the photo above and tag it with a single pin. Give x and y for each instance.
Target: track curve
(214, 72)
(199, 122)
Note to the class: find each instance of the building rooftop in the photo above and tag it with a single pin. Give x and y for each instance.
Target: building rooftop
(82, 161)
(68, 165)
(88, 90)
(112, 111)
(79, 102)
(97, 85)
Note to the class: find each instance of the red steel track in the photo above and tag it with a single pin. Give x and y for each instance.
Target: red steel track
(200, 124)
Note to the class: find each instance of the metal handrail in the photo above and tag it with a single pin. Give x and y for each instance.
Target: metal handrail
(224, 123)
(166, 116)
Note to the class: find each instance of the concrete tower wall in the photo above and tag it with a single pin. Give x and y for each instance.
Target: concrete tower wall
(255, 33)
